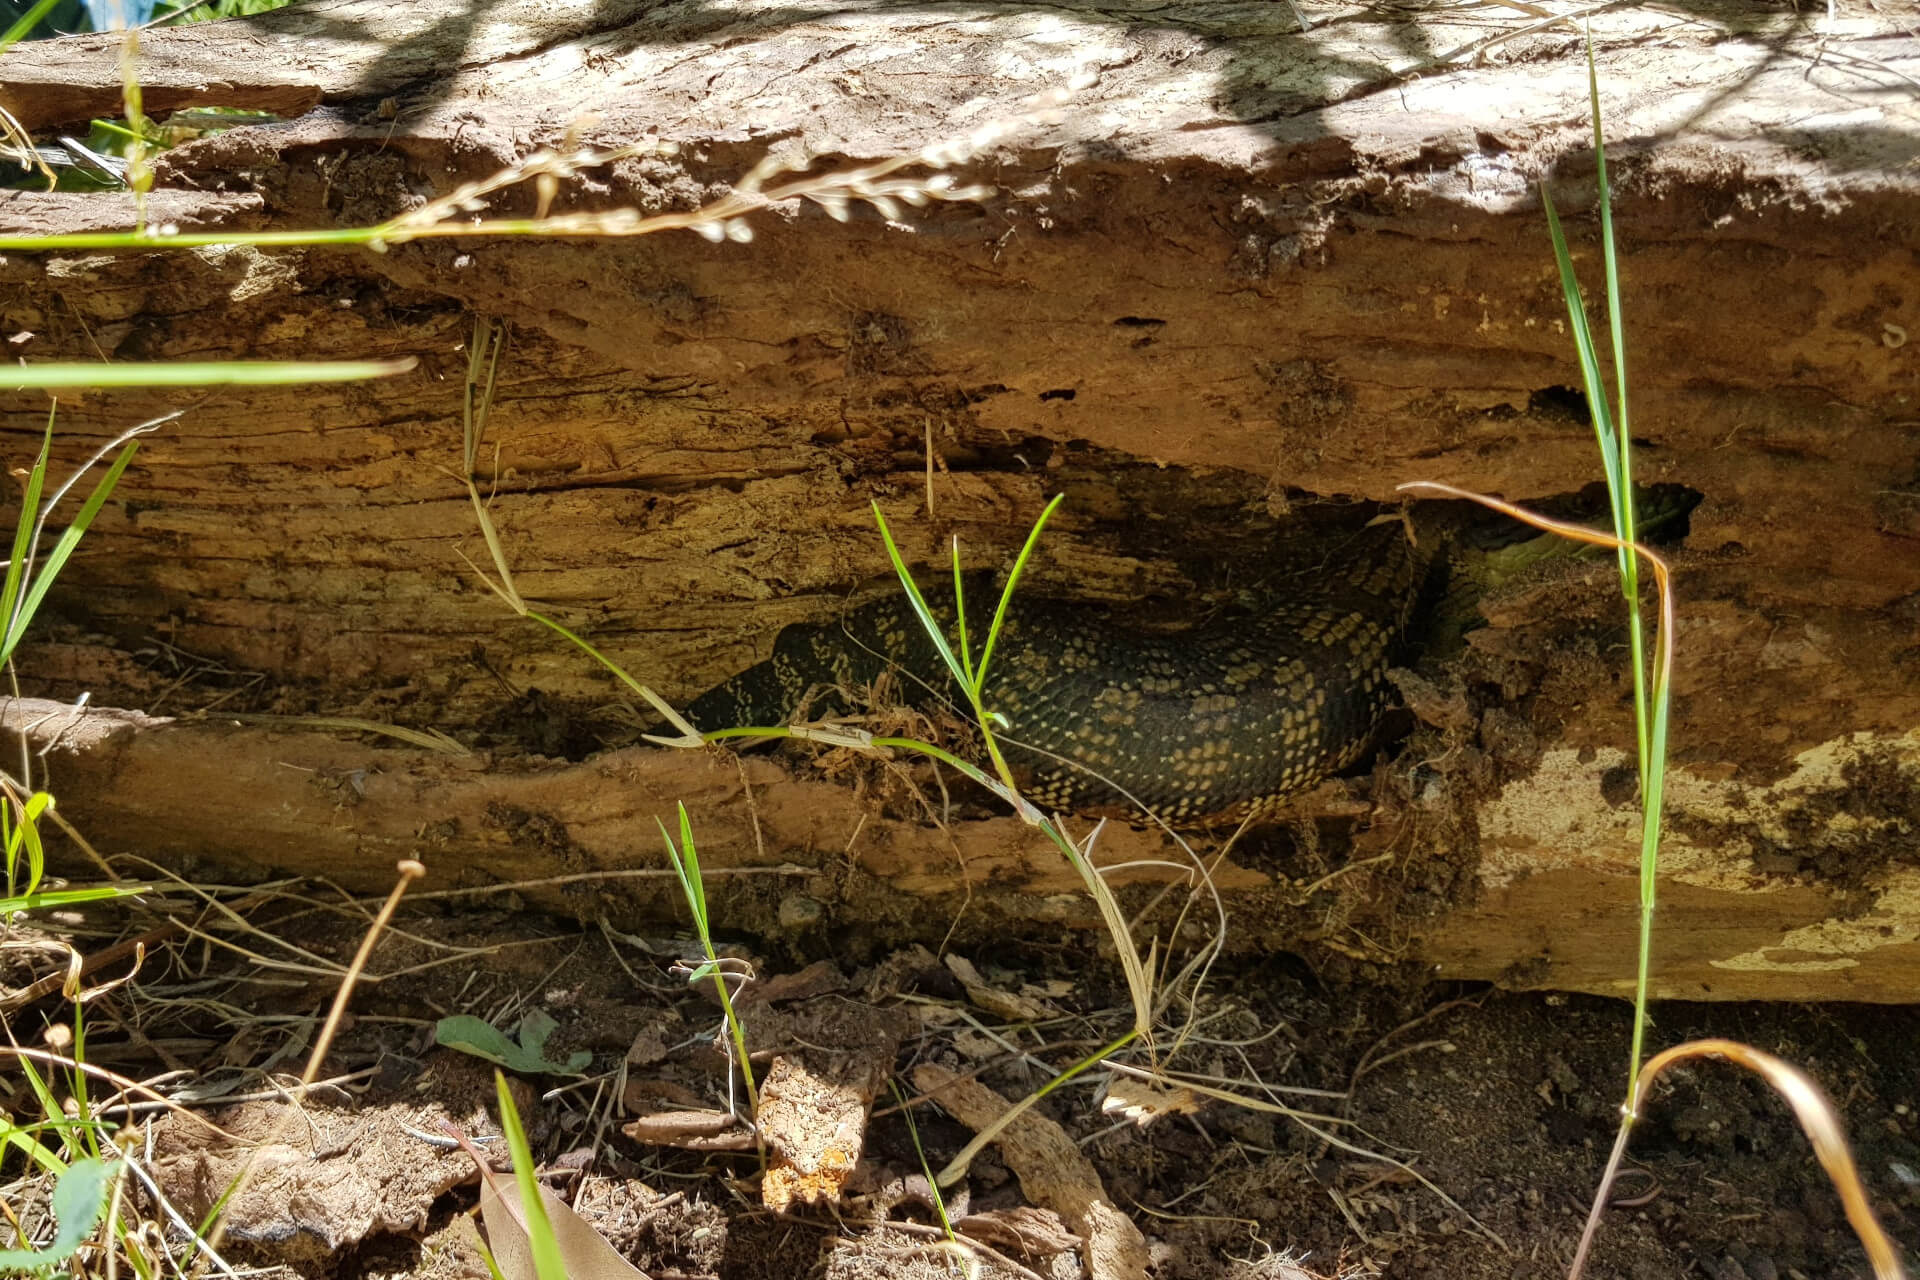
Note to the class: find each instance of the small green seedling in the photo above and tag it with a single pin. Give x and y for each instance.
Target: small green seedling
(1651, 701)
(686, 868)
(79, 1198)
(525, 1052)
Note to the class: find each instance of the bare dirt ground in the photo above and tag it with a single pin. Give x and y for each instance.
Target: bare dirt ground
(1505, 1103)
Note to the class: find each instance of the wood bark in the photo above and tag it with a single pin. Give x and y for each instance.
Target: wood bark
(1243, 270)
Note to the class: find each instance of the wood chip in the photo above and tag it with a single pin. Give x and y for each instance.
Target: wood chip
(1025, 1230)
(691, 1131)
(1053, 1172)
(815, 1100)
(1001, 1004)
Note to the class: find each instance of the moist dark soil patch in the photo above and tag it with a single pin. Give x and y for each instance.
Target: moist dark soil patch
(1505, 1102)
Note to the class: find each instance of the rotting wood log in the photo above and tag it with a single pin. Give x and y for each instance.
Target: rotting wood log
(802, 860)
(1250, 268)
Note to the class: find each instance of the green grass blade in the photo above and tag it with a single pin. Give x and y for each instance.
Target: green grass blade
(913, 1135)
(966, 767)
(486, 1256)
(56, 898)
(692, 856)
(86, 1125)
(956, 1168)
(935, 632)
(1013, 580)
(22, 1139)
(79, 1198)
(1622, 492)
(1025, 808)
(690, 886)
(148, 240)
(960, 623)
(653, 699)
(17, 567)
(63, 550)
(27, 22)
(28, 832)
(1653, 797)
(687, 891)
(1583, 342)
(205, 373)
(545, 1247)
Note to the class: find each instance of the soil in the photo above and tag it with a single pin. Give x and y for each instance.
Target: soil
(1506, 1103)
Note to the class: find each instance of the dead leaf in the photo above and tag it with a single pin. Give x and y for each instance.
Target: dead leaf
(585, 1252)
(1002, 1004)
(1143, 1103)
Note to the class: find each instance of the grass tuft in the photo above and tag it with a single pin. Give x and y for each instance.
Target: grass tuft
(1651, 701)
(972, 680)
(686, 867)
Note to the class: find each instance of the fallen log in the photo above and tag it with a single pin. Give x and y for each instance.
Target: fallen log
(1246, 271)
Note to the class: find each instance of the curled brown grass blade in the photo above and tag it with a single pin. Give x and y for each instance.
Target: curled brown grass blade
(1818, 1120)
(1662, 575)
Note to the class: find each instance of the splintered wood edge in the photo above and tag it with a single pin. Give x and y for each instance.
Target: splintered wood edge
(1054, 1173)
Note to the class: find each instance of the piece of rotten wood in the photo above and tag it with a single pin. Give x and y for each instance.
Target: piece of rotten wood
(818, 1095)
(1053, 1171)
(704, 1130)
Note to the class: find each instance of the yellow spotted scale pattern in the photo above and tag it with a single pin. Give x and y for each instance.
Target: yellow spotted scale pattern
(1214, 722)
